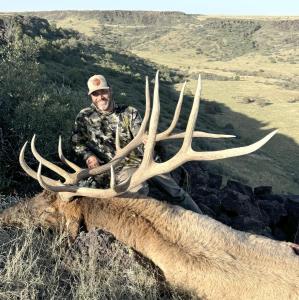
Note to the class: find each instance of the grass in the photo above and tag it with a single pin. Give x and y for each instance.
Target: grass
(38, 264)
(250, 121)
(86, 27)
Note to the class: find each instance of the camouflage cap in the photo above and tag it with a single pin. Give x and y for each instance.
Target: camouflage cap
(97, 82)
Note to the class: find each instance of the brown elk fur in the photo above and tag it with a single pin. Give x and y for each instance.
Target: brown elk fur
(194, 251)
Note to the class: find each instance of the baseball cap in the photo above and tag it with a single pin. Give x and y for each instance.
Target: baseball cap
(97, 82)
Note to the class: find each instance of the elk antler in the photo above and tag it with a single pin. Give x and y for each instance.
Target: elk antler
(141, 135)
(148, 167)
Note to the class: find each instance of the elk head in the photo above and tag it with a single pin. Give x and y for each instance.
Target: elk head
(43, 209)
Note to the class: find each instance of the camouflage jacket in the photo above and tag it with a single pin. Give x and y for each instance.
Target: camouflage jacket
(94, 133)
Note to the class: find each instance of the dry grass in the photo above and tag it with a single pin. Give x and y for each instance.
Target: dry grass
(84, 26)
(273, 106)
(38, 264)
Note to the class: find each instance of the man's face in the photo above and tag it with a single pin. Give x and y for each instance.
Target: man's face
(102, 99)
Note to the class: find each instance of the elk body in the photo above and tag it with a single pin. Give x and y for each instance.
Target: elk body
(195, 252)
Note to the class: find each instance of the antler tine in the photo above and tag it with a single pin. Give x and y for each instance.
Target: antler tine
(40, 181)
(153, 126)
(169, 130)
(112, 178)
(147, 108)
(28, 170)
(117, 139)
(166, 135)
(221, 154)
(196, 134)
(65, 160)
(57, 187)
(23, 163)
(192, 118)
(47, 163)
(69, 191)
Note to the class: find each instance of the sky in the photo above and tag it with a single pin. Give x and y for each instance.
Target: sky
(209, 7)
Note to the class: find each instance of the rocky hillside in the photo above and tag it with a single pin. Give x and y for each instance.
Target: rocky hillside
(253, 209)
(119, 17)
(216, 38)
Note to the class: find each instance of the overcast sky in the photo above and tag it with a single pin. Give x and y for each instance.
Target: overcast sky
(224, 7)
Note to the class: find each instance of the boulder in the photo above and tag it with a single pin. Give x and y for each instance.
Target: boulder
(262, 190)
(273, 209)
(271, 197)
(210, 200)
(215, 181)
(251, 224)
(240, 187)
(236, 203)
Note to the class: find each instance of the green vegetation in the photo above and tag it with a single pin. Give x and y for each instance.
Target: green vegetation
(43, 87)
(249, 67)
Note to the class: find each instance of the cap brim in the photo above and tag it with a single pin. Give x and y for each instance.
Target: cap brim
(103, 88)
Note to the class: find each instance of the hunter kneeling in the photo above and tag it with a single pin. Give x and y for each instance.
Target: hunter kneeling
(94, 141)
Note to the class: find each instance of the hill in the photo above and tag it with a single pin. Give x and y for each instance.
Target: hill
(249, 66)
(51, 67)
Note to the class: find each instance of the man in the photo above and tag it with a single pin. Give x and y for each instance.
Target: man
(93, 140)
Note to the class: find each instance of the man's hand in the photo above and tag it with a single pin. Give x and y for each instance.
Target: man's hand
(92, 162)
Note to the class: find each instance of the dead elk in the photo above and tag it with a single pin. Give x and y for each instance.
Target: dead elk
(194, 252)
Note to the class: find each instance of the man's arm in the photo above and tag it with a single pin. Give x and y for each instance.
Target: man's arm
(79, 142)
(135, 121)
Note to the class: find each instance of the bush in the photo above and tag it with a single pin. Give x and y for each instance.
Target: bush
(30, 104)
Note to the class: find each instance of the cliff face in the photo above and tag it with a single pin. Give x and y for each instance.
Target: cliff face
(122, 17)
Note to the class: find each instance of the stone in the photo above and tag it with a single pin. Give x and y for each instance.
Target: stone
(262, 190)
(273, 209)
(240, 187)
(235, 203)
(215, 181)
(251, 224)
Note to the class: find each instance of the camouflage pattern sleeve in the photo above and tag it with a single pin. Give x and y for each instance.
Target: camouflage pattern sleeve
(79, 138)
(135, 121)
